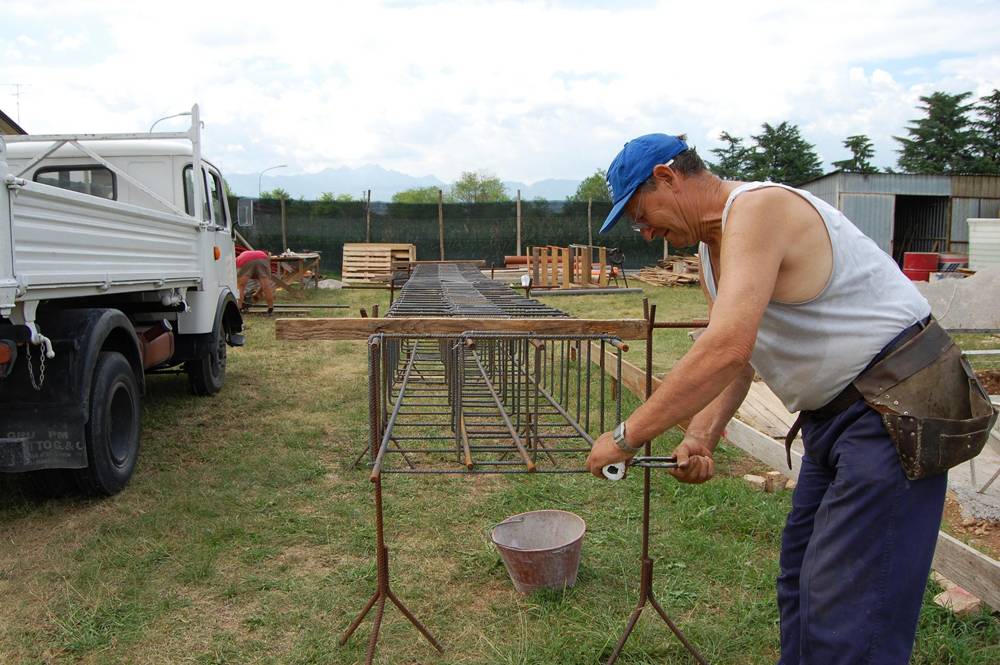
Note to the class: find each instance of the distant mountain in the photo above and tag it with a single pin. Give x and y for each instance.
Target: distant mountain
(383, 183)
(550, 189)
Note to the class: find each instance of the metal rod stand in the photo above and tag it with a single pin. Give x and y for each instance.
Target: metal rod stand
(646, 595)
(383, 592)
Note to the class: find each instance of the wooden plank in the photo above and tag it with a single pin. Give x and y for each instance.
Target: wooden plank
(633, 378)
(588, 266)
(602, 262)
(766, 449)
(972, 570)
(351, 328)
(567, 272)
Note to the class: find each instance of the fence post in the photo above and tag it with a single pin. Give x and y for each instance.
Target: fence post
(590, 232)
(519, 222)
(441, 222)
(368, 216)
(284, 226)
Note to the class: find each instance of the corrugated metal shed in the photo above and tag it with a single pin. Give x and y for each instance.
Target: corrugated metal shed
(873, 214)
(904, 212)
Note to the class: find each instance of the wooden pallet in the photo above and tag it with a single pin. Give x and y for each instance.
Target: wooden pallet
(365, 263)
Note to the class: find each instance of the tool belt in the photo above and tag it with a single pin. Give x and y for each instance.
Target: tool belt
(932, 405)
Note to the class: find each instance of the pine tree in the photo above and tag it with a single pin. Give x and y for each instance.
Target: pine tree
(734, 158)
(862, 152)
(986, 126)
(942, 142)
(780, 154)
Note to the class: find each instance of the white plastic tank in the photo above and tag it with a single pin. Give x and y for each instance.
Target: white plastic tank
(984, 243)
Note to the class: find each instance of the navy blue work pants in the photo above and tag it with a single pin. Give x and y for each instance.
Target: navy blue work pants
(857, 546)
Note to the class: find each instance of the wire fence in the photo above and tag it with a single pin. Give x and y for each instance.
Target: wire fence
(483, 231)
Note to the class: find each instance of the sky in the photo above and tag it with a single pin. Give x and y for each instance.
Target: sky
(527, 90)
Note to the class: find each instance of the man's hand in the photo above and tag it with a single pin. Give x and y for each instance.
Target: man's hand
(606, 452)
(694, 462)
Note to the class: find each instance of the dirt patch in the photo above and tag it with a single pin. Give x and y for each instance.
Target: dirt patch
(984, 535)
(305, 560)
(990, 378)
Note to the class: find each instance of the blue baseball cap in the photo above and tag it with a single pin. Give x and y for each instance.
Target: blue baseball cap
(633, 166)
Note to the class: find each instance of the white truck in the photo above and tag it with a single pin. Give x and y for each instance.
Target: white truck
(116, 261)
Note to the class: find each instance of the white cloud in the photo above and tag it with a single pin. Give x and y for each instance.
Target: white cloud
(525, 89)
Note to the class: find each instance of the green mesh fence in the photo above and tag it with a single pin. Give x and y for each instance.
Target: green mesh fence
(485, 231)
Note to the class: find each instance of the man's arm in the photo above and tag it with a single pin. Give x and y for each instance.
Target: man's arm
(694, 453)
(752, 250)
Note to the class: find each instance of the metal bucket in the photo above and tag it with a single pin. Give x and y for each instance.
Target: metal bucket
(540, 549)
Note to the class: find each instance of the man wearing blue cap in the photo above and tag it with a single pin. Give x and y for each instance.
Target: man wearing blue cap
(798, 294)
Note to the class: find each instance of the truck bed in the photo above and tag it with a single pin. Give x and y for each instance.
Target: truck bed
(67, 244)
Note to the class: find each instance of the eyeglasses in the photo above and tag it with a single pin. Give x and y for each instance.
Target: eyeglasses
(634, 222)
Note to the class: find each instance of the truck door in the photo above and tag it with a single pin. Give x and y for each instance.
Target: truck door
(226, 264)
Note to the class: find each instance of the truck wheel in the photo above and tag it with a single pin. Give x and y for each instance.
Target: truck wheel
(207, 373)
(113, 429)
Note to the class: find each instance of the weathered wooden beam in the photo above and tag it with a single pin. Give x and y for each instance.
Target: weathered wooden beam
(350, 328)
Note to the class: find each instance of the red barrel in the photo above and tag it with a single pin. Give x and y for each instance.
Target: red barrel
(921, 261)
(917, 275)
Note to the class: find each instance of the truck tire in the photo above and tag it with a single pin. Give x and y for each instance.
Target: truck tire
(207, 373)
(112, 432)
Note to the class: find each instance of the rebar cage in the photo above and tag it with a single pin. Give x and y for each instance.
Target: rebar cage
(488, 402)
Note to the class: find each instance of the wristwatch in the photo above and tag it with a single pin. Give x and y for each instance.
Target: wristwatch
(619, 436)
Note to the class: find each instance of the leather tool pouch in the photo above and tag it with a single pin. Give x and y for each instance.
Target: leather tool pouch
(936, 412)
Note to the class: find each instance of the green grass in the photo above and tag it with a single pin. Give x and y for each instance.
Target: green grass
(245, 537)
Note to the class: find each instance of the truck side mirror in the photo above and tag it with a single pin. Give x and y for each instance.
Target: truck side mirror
(244, 212)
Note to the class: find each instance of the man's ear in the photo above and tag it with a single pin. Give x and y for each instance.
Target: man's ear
(667, 174)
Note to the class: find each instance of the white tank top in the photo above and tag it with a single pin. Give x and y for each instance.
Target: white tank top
(808, 352)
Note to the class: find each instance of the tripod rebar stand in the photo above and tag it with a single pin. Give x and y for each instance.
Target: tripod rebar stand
(646, 595)
(383, 591)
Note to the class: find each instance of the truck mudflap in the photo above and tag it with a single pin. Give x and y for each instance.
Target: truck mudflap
(42, 438)
(45, 428)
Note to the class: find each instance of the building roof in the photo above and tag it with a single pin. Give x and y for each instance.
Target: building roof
(8, 126)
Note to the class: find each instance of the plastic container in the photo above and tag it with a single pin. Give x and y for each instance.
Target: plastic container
(952, 262)
(540, 549)
(984, 243)
(920, 261)
(917, 275)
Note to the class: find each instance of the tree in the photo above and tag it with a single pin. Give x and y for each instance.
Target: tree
(986, 126)
(479, 187)
(593, 188)
(942, 142)
(275, 194)
(330, 197)
(418, 195)
(862, 152)
(734, 158)
(780, 154)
